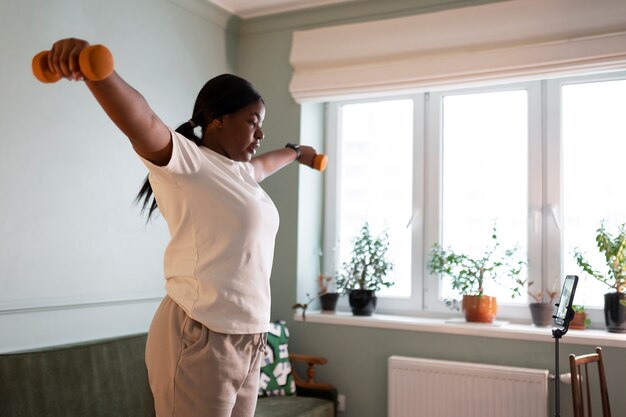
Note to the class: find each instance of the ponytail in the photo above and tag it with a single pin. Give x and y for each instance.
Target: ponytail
(145, 196)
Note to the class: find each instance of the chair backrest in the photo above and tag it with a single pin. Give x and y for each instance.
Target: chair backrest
(581, 384)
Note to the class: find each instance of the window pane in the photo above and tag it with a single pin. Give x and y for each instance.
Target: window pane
(376, 180)
(594, 145)
(485, 176)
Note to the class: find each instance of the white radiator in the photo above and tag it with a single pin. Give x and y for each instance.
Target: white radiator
(433, 388)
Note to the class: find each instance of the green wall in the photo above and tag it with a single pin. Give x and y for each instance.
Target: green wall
(78, 261)
(358, 356)
(152, 41)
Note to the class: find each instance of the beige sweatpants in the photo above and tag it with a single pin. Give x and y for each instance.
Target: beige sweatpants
(195, 372)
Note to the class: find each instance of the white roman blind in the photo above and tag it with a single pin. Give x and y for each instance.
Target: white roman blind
(516, 40)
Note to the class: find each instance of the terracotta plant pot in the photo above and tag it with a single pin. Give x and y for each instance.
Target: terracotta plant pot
(578, 322)
(541, 314)
(479, 308)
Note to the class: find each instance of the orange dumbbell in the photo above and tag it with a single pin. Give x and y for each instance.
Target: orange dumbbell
(95, 62)
(319, 162)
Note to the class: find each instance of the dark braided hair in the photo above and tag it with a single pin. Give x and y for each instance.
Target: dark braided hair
(222, 95)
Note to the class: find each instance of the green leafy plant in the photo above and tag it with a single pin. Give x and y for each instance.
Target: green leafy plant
(580, 309)
(614, 250)
(369, 265)
(469, 274)
(304, 306)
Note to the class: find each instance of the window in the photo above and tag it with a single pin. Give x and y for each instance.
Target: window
(376, 181)
(540, 160)
(484, 174)
(594, 145)
(377, 137)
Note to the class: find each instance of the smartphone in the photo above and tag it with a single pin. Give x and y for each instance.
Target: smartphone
(566, 300)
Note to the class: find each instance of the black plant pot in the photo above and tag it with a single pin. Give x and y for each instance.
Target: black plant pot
(541, 314)
(615, 312)
(329, 301)
(362, 302)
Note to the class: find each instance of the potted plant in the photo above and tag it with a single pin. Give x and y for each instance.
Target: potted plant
(303, 306)
(580, 320)
(469, 275)
(614, 250)
(326, 288)
(327, 292)
(365, 272)
(542, 307)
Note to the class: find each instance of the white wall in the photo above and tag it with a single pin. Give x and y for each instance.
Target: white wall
(77, 262)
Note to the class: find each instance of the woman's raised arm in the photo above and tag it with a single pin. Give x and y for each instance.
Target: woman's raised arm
(127, 108)
(273, 161)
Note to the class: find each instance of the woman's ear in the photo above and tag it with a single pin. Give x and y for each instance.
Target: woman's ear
(219, 122)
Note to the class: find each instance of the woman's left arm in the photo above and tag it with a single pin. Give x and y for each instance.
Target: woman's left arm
(273, 161)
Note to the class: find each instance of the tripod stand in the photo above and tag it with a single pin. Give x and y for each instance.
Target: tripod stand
(564, 314)
(557, 334)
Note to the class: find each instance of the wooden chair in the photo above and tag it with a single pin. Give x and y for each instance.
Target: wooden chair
(581, 390)
(311, 361)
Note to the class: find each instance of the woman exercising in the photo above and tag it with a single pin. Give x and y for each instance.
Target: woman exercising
(206, 339)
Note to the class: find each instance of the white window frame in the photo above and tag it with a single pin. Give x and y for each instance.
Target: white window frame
(434, 187)
(545, 241)
(389, 305)
(553, 215)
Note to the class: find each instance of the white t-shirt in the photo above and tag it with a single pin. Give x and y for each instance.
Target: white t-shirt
(223, 228)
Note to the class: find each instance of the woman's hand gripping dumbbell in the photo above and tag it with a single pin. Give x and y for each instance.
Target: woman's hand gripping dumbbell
(308, 156)
(94, 63)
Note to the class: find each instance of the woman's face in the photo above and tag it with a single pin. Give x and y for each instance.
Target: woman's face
(238, 135)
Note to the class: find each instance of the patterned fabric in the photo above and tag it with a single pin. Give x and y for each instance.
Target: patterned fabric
(276, 377)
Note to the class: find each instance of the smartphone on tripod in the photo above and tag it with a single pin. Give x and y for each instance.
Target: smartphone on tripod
(564, 312)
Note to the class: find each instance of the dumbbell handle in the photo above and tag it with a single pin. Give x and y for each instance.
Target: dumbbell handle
(95, 62)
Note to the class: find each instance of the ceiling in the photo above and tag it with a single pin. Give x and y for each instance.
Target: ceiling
(255, 8)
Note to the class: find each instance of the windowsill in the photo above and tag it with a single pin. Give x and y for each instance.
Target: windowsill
(501, 330)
